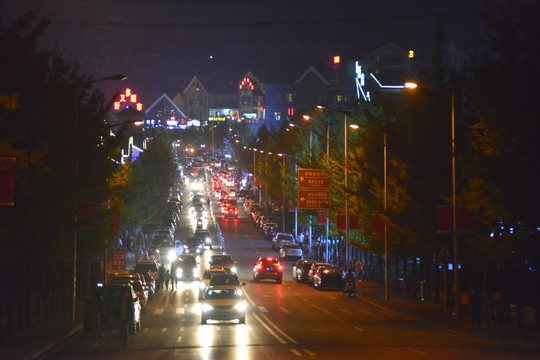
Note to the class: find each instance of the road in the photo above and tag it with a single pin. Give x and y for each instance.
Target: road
(285, 321)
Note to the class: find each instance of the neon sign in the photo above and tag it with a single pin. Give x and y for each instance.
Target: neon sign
(127, 98)
(360, 83)
(246, 82)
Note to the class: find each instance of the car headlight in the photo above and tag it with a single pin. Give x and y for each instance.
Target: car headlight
(171, 255)
(208, 240)
(179, 272)
(202, 286)
(185, 246)
(206, 307)
(240, 306)
(195, 272)
(233, 269)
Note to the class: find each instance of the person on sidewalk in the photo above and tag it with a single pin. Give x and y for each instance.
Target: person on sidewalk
(360, 270)
(166, 279)
(172, 279)
(475, 300)
(161, 277)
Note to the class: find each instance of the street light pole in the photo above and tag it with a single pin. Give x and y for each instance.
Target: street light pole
(346, 196)
(454, 212)
(385, 222)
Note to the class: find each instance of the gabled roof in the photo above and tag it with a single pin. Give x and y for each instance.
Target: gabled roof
(195, 82)
(167, 99)
(311, 69)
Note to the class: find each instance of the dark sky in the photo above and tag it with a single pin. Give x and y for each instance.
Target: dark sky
(161, 44)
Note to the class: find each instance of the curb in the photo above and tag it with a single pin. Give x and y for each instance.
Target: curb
(52, 344)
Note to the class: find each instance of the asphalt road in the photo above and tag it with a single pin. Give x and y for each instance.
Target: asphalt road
(284, 321)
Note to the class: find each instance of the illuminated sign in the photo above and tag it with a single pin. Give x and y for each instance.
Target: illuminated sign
(217, 118)
(360, 83)
(246, 82)
(411, 54)
(337, 60)
(127, 98)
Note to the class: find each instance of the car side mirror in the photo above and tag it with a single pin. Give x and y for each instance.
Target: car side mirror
(243, 284)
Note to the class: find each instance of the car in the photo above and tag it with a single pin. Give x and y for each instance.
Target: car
(147, 265)
(205, 236)
(163, 231)
(269, 225)
(199, 212)
(301, 270)
(314, 267)
(185, 268)
(230, 212)
(265, 219)
(113, 295)
(281, 239)
(193, 245)
(290, 251)
(157, 239)
(150, 282)
(268, 268)
(223, 261)
(168, 251)
(205, 280)
(224, 302)
(270, 231)
(328, 277)
(140, 290)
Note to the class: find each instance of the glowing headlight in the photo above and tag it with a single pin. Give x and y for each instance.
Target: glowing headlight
(179, 273)
(233, 269)
(195, 272)
(171, 256)
(241, 306)
(206, 307)
(202, 286)
(208, 240)
(239, 292)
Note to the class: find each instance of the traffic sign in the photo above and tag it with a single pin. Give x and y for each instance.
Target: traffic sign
(313, 199)
(119, 261)
(313, 179)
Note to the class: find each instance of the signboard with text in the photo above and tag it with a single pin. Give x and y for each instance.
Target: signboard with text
(119, 260)
(313, 189)
(313, 199)
(313, 179)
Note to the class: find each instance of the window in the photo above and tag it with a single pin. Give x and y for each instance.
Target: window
(277, 115)
(190, 101)
(339, 98)
(277, 98)
(289, 97)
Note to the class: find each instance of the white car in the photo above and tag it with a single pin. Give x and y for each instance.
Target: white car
(291, 251)
(203, 284)
(168, 251)
(281, 239)
(224, 302)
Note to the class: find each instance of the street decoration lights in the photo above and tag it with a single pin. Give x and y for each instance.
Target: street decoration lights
(117, 77)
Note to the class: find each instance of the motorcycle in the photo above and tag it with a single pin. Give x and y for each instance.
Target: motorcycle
(349, 289)
(199, 224)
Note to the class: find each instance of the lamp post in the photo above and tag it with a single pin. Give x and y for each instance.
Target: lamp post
(118, 77)
(283, 181)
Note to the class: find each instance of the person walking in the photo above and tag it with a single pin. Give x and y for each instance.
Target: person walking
(475, 300)
(166, 279)
(161, 277)
(123, 320)
(360, 269)
(172, 279)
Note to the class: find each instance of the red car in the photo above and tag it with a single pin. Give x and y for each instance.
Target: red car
(268, 268)
(230, 212)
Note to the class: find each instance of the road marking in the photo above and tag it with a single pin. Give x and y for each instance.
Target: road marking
(341, 321)
(146, 330)
(296, 352)
(364, 311)
(417, 351)
(310, 353)
(159, 311)
(345, 311)
(179, 311)
(249, 299)
(284, 310)
(179, 339)
(306, 300)
(279, 330)
(359, 329)
(278, 338)
(262, 309)
(163, 329)
(331, 297)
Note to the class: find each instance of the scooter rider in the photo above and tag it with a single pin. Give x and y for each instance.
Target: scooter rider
(349, 279)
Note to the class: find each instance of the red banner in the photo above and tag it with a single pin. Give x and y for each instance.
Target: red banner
(353, 222)
(321, 217)
(7, 187)
(445, 220)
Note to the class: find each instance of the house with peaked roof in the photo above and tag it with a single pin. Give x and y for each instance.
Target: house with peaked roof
(164, 112)
(251, 97)
(310, 89)
(196, 100)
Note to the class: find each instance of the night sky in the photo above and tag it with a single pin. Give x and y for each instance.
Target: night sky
(161, 44)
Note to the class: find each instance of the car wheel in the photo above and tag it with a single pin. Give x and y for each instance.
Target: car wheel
(280, 280)
(242, 320)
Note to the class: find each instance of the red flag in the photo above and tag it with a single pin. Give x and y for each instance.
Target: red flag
(377, 225)
(321, 217)
(341, 222)
(7, 168)
(353, 222)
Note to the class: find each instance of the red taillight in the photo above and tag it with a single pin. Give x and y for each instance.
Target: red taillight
(279, 267)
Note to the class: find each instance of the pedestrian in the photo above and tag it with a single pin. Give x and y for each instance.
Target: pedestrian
(172, 279)
(360, 269)
(97, 320)
(353, 265)
(161, 276)
(124, 316)
(166, 279)
(476, 307)
(500, 307)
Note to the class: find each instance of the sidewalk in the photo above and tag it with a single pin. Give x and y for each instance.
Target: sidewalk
(434, 315)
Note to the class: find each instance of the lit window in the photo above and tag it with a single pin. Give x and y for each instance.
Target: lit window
(289, 97)
(339, 98)
(277, 115)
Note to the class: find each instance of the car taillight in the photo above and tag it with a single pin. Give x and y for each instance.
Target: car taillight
(259, 266)
(279, 267)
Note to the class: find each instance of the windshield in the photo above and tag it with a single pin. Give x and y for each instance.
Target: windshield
(209, 274)
(222, 260)
(223, 294)
(224, 280)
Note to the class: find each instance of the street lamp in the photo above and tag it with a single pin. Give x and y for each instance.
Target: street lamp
(117, 77)
(283, 181)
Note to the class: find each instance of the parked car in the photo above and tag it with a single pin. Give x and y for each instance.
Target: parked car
(290, 251)
(140, 290)
(268, 268)
(328, 277)
(225, 302)
(267, 226)
(147, 265)
(301, 270)
(281, 239)
(314, 267)
(113, 295)
(150, 282)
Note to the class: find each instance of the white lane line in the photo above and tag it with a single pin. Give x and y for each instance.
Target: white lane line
(179, 311)
(278, 338)
(326, 311)
(163, 329)
(368, 313)
(179, 339)
(278, 329)
(262, 309)
(345, 311)
(284, 310)
(310, 353)
(359, 329)
(296, 352)
(306, 300)
(417, 351)
(249, 299)
(341, 321)
(146, 330)
(159, 311)
(331, 297)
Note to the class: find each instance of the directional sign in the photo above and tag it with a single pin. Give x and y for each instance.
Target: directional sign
(313, 199)
(119, 262)
(313, 179)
